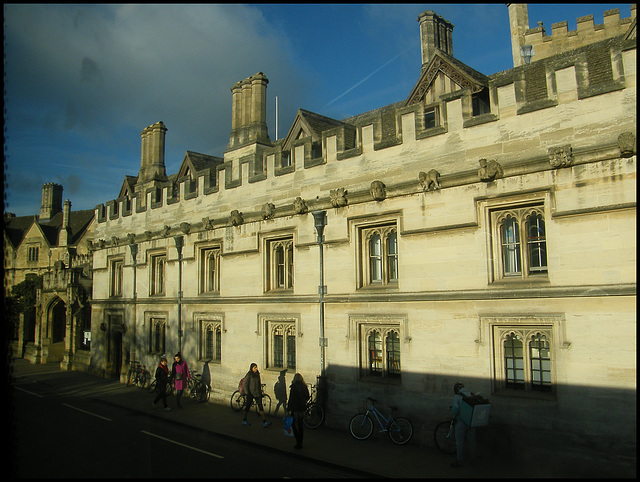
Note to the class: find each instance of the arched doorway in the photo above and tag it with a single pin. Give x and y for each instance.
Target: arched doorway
(58, 322)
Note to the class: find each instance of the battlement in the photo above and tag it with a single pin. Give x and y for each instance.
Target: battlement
(258, 185)
(546, 44)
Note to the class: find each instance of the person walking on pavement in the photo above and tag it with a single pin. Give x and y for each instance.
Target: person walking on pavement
(181, 376)
(252, 388)
(162, 378)
(297, 406)
(462, 430)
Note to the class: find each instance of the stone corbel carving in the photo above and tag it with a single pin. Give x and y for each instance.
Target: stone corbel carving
(489, 170)
(299, 206)
(149, 235)
(102, 243)
(207, 223)
(378, 191)
(236, 218)
(338, 197)
(430, 181)
(185, 227)
(165, 231)
(561, 156)
(114, 240)
(268, 211)
(627, 144)
(131, 238)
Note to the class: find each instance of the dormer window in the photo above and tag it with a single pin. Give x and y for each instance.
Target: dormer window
(431, 117)
(480, 102)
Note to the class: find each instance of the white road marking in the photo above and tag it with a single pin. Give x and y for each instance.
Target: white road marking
(182, 445)
(30, 393)
(88, 413)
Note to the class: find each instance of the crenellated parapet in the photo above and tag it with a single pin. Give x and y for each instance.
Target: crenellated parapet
(559, 39)
(332, 164)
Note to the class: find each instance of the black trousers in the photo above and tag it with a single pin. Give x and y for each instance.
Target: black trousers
(162, 394)
(298, 427)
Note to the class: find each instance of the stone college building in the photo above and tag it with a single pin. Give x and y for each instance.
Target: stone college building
(481, 230)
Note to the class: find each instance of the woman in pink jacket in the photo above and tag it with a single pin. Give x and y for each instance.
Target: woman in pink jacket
(180, 374)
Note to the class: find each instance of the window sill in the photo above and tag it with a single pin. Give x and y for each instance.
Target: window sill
(525, 394)
(530, 282)
(369, 379)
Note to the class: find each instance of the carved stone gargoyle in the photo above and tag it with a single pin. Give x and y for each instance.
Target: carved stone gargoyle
(185, 227)
(165, 231)
(299, 206)
(235, 218)
(560, 156)
(268, 211)
(378, 191)
(489, 170)
(627, 144)
(430, 181)
(338, 197)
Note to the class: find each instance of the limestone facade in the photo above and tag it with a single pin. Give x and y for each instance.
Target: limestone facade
(54, 245)
(482, 230)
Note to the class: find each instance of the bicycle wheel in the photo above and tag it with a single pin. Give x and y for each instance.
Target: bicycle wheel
(266, 404)
(314, 416)
(170, 389)
(237, 401)
(445, 438)
(152, 386)
(143, 380)
(400, 431)
(201, 392)
(130, 378)
(361, 426)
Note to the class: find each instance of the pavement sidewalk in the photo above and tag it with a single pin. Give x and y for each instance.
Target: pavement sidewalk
(376, 457)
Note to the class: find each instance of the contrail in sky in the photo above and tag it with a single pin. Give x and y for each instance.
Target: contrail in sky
(368, 77)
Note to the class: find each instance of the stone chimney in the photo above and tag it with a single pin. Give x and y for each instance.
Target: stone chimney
(63, 236)
(435, 34)
(51, 201)
(519, 24)
(249, 112)
(152, 158)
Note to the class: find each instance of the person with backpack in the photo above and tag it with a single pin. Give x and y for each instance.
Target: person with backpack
(297, 406)
(180, 374)
(252, 389)
(462, 430)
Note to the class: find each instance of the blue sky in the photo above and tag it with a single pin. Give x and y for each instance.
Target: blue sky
(82, 81)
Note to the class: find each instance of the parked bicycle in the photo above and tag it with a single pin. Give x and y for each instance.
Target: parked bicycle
(170, 387)
(314, 414)
(138, 375)
(444, 436)
(238, 401)
(399, 429)
(197, 389)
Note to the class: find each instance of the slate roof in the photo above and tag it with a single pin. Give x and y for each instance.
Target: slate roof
(17, 227)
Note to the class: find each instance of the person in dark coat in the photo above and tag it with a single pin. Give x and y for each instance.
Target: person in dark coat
(162, 378)
(252, 389)
(298, 398)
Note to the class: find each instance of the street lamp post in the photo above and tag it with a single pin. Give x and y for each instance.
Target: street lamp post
(134, 254)
(179, 243)
(320, 221)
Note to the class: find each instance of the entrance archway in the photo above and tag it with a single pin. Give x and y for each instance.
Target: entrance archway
(58, 322)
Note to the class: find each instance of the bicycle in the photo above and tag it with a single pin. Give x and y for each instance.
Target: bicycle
(399, 429)
(444, 437)
(238, 401)
(169, 390)
(314, 413)
(491, 438)
(138, 375)
(197, 389)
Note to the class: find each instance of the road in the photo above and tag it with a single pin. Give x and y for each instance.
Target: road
(63, 435)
